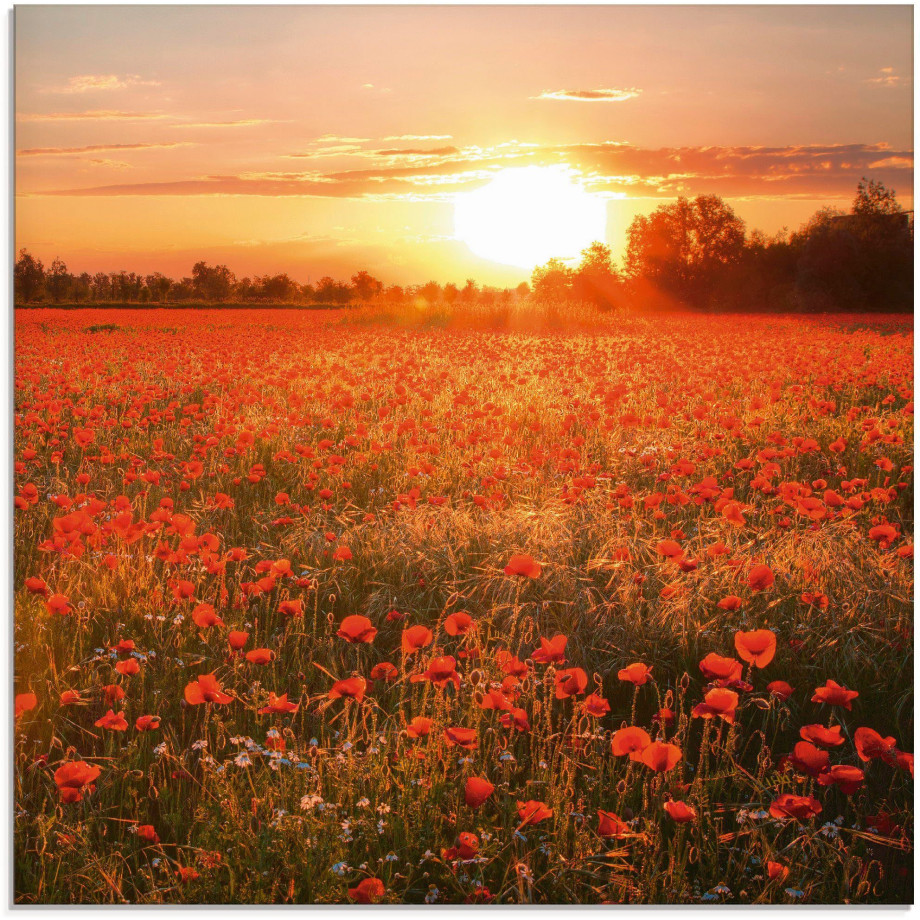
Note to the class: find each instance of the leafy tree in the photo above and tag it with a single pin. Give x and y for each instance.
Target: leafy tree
(58, 281)
(451, 293)
(469, 293)
(365, 286)
(28, 277)
(430, 292)
(595, 280)
(212, 283)
(680, 249)
(158, 285)
(328, 290)
(277, 288)
(551, 282)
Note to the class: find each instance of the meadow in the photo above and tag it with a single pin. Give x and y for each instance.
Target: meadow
(313, 608)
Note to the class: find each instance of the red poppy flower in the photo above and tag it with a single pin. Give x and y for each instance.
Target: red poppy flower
(385, 671)
(609, 825)
(205, 616)
(776, 870)
(112, 693)
(147, 723)
(59, 604)
(670, 549)
(718, 702)
(205, 690)
(116, 722)
(632, 740)
(595, 705)
(570, 682)
(237, 639)
(835, 695)
(757, 647)
(356, 629)
(291, 608)
(260, 656)
(871, 745)
(278, 704)
(367, 891)
(823, 737)
(441, 672)
(780, 689)
(799, 807)
(23, 703)
(147, 833)
(466, 738)
(806, 758)
(660, 757)
(715, 667)
(760, 578)
(128, 667)
(523, 565)
(636, 673)
(476, 791)
(847, 779)
(415, 638)
(352, 687)
(533, 812)
(680, 812)
(515, 718)
(551, 651)
(730, 602)
(72, 777)
(459, 624)
(419, 727)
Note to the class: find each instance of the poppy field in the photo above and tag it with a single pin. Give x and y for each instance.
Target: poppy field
(316, 611)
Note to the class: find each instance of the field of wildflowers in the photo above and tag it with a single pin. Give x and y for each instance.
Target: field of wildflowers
(315, 611)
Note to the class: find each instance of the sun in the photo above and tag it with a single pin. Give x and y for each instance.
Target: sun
(526, 216)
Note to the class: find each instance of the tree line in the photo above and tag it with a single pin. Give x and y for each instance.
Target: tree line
(217, 284)
(691, 253)
(696, 253)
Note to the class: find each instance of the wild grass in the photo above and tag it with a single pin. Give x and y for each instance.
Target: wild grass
(434, 450)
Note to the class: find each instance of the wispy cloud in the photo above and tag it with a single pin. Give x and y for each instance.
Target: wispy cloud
(236, 123)
(418, 137)
(92, 115)
(89, 82)
(93, 148)
(613, 168)
(886, 77)
(590, 95)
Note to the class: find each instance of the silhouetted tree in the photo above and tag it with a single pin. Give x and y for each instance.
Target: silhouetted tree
(365, 285)
(681, 248)
(328, 290)
(551, 282)
(430, 292)
(595, 280)
(213, 283)
(158, 285)
(57, 282)
(28, 277)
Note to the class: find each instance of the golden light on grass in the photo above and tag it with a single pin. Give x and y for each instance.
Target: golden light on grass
(529, 215)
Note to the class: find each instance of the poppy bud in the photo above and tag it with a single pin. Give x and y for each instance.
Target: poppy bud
(476, 678)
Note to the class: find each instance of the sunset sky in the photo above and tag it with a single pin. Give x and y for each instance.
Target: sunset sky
(321, 140)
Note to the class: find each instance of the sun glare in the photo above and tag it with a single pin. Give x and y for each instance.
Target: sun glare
(526, 216)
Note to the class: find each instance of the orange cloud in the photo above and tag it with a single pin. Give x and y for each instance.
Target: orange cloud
(590, 95)
(93, 115)
(92, 82)
(800, 171)
(93, 148)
